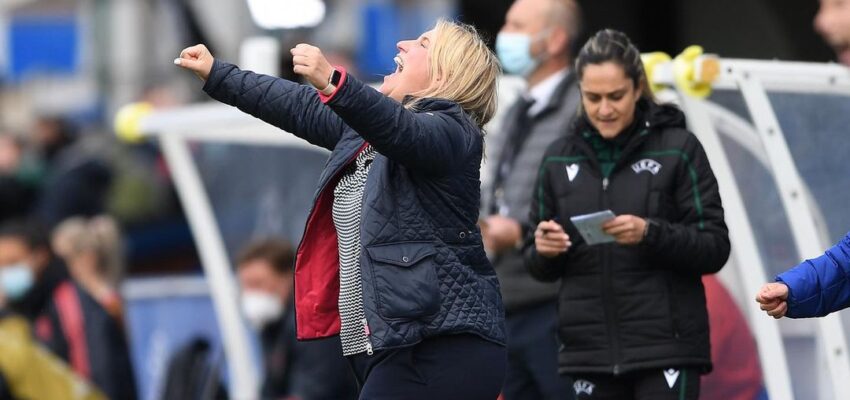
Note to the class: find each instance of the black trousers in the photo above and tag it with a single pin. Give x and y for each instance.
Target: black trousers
(533, 356)
(454, 367)
(654, 384)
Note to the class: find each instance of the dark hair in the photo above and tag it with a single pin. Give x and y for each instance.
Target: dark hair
(30, 231)
(609, 45)
(275, 251)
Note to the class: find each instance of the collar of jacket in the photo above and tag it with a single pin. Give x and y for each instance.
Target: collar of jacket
(654, 116)
(559, 95)
(649, 118)
(428, 103)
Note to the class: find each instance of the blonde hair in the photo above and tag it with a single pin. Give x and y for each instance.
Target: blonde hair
(463, 70)
(99, 235)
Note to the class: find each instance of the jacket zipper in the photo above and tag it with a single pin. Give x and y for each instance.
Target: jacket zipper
(609, 287)
(368, 333)
(369, 350)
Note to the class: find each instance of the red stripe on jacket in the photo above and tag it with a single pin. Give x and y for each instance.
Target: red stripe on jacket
(73, 325)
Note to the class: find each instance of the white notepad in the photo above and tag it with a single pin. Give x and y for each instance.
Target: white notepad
(590, 226)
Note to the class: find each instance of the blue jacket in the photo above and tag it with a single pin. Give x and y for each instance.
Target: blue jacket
(821, 285)
(424, 270)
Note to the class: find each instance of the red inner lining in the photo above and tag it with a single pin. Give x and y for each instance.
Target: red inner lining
(317, 270)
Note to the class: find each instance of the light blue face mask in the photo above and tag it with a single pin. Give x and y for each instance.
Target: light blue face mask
(514, 51)
(16, 280)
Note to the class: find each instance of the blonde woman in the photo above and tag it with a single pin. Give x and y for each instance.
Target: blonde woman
(84, 323)
(92, 251)
(391, 259)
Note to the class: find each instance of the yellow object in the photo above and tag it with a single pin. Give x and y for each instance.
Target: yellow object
(31, 372)
(694, 72)
(650, 61)
(127, 121)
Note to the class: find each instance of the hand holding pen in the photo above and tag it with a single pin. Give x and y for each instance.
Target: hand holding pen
(550, 238)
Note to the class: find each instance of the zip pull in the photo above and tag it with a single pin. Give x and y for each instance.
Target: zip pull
(368, 332)
(605, 183)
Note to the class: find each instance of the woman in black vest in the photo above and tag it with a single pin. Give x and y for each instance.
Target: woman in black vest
(632, 313)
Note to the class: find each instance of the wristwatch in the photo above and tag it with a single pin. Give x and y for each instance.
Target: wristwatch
(650, 230)
(333, 82)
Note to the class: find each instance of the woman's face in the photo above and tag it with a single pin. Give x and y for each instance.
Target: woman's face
(608, 97)
(412, 68)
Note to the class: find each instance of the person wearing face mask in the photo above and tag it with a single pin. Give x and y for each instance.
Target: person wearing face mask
(535, 43)
(632, 311)
(391, 259)
(314, 370)
(29, 274)
(65, 317)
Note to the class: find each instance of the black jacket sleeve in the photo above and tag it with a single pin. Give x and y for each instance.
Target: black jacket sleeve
(543, 208)
(698, 241)
(282, 103)
(435, 142)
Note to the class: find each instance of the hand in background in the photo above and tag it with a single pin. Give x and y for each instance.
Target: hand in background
(550, 239)
(197, 59)
(773, 299)
(500, 233)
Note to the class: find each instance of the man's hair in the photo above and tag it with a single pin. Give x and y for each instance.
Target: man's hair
(30, 231)
(566, 14)
(275, 251)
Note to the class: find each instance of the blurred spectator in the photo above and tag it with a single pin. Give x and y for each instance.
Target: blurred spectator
(193, 373)
(737, 372)
(84, 322)
(310, 370)
(68, 320)
(29, 372)
(833, 23)
(76, 179)
(29, 273)
(92, 251)
(17, 195)
(535, 44)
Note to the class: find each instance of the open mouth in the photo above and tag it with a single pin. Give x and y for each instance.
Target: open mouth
(399, 64)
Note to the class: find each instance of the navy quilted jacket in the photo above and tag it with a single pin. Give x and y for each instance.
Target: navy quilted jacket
(423, 265)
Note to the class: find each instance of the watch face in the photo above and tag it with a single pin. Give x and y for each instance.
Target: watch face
(335, 77)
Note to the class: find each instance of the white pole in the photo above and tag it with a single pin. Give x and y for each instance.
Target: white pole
(801, 220)
(749, 264)
(243, 374)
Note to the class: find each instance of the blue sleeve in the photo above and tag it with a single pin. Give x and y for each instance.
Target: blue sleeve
(432, 142)
(821, 285)
(282, 103)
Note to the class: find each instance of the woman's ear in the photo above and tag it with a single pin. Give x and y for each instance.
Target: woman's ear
(640, 90)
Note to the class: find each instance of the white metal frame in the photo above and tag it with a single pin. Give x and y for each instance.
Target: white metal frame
(754, 79)
(750, 266)
(800, 216)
